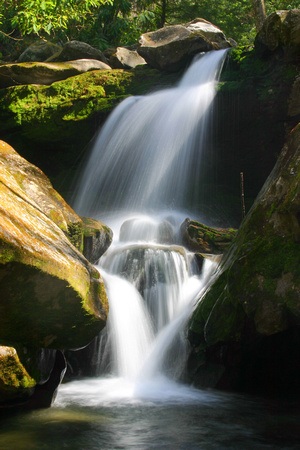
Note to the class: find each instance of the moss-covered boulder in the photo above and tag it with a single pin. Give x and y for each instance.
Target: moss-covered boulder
(202, 238)
(247, 325)
(15, 382)
(50, 296)
(171, 48)
(45, 73)
(280, 33)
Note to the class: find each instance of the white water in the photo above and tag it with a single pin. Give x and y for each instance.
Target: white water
(149, 152)
(147, 158)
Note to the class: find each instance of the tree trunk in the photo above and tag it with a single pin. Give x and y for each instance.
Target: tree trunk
(163, 13)
(259, 13)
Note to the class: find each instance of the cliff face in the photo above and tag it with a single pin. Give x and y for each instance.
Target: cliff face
(246, 328)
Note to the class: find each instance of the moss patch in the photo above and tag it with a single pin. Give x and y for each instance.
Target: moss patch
(14, 379)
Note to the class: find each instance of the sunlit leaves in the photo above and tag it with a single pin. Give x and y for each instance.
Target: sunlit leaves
(49, 16)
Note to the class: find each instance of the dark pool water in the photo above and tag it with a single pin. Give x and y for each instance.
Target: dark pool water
(106, 415)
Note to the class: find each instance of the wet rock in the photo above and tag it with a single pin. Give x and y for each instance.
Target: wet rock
(280, 33)
(124, 58)
(201, 238)
(46, 73)
(45, 394)
(172, 48)
(97, 237)
(66, 303)
(89, 236)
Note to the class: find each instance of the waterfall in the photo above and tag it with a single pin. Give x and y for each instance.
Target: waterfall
(144, 165)
(148, 154)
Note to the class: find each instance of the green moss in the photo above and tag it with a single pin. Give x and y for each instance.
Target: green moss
(271, 210)
(57, 218)
(13, 374)
(274, 255)
(75, 235)
(205, 306)
(75, 99)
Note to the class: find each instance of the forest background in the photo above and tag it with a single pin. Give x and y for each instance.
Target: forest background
(107, 23)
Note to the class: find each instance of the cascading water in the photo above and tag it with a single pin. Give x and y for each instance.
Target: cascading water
(148, 154)
(146, 161)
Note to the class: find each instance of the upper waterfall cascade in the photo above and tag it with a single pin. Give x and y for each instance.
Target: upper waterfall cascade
(148, 154)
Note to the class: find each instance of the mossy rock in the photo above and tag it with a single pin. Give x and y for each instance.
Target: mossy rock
(280, 33)
(262, 264)
(202, 238)
(65, 298)
(54, 108)
(97, 237)
(15, 382)
(45, 73)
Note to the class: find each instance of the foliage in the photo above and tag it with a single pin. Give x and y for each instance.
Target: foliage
(117, 23)
(104, 23)
(272, 5)
(46, 17)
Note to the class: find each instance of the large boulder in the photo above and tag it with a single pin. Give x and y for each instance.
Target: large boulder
(89, 236)
(280, 32)
(46, 73)
(39, 51)
(73, 50)
(171, 48)
(51, 296)
(245, 330)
